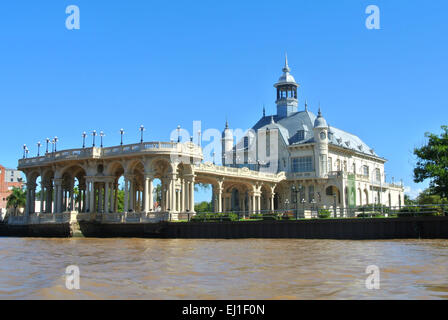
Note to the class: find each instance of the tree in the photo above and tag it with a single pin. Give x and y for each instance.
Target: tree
(203, 206)
(408, 201)
(17, 199)
(428, 196)
(432, 162)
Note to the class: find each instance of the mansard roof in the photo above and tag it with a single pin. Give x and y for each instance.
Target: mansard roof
(305, 120)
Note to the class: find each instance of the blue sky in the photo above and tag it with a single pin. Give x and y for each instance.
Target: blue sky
(167, 63)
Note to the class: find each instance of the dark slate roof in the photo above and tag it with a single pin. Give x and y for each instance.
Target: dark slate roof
(304, 120)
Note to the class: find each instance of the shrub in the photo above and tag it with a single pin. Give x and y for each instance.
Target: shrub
(214, 217)
(270, 216)
(324, 214)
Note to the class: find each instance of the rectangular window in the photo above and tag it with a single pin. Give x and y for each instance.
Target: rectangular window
(377, 175)
(323, 163)
(302, 164)
(365, 171)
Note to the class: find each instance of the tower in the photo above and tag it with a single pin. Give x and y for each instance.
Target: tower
(286, 93)
(321, 145)
(227, 146)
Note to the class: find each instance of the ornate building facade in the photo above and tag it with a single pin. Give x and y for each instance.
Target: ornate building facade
(323, 165)
(290, 159)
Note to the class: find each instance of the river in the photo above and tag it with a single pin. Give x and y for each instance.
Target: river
(32, 268)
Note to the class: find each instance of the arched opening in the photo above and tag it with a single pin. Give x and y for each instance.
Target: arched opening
(47, 191)
(73, 190)
(116, 170)
(333, 196)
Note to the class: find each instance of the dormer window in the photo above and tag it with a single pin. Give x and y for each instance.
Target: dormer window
(300, 135)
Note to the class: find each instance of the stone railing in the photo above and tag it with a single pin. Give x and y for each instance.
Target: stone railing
(67, 217)
(183, 149)
(211, 168)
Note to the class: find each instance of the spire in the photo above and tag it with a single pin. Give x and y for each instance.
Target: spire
(227, 124)
(286, 67)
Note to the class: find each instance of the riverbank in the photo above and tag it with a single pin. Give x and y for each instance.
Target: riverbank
(348, 229)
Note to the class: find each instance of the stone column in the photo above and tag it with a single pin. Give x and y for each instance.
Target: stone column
(42, 191)
(172, 192)
(58, 196)
(191, 201)
(254, 203)
(151, 194)
(249, 198)
(182, 202)
(146, 195)
(107, 199)
(115, 197)
(126, 195)
(72, 198)
(92, 197)
(259, 202)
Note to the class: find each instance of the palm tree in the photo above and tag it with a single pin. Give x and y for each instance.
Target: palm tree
(17, 199)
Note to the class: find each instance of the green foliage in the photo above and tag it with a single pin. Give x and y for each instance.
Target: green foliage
(421, 211)
(214, 217)
(203, 206)
(120, 200)
(432, 162)
(203, 186)
(324, 214)
(408, 201)
(428, 196)
(158, 193)
(17, 199)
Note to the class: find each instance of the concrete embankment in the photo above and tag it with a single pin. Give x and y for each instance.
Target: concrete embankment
(368, 228)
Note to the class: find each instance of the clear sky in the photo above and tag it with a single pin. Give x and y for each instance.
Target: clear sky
(164, 63)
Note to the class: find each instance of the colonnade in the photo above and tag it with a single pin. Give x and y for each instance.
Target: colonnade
(100, 194)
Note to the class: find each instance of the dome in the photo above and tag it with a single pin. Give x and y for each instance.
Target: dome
(320, 121)
(286, 77)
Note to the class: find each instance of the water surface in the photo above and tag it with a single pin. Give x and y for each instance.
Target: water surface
(222, 269)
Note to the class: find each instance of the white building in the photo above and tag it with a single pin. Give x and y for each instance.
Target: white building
(324, 165)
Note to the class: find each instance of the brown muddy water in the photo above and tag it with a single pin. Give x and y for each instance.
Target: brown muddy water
(222, 269)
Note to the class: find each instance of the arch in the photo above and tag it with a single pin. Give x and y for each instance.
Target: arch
(332, 194)
(366, 196)
(360, 197)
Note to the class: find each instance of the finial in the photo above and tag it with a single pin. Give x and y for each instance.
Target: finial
(319, 114)
(272, 119)
(286, 67)
(264, 112)
(306, 105)
(227, 124)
